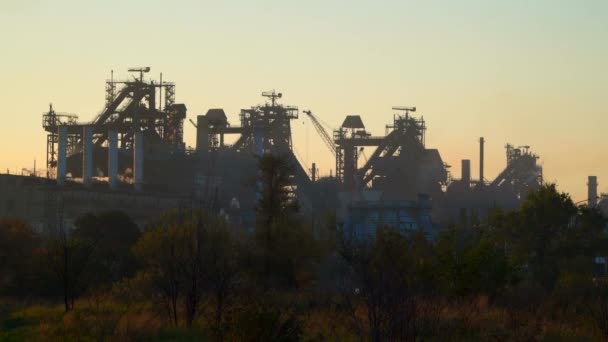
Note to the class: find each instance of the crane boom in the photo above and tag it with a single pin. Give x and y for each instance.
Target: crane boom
(324, 135)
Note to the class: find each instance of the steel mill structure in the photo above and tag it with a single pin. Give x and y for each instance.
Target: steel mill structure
(134, 150)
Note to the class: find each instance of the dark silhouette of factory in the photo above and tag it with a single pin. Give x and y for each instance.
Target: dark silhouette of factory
(132, 157)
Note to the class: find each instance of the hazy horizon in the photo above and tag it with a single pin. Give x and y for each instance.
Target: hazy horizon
(520, 72)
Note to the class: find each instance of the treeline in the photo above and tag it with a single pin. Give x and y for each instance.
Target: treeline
(525, 274)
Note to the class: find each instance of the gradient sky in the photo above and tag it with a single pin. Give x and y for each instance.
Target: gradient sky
(526, 72)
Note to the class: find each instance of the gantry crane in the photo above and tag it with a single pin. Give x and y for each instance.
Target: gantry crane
(322, 132)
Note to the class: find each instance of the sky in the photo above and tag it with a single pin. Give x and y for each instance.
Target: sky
(525, 72)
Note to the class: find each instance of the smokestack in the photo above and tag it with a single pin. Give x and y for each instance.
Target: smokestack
(113, 159)
(62, 146)
(138, 160)
(466, 172)
(481, 178)
(313, 172)
(592, 191)
(87, 155)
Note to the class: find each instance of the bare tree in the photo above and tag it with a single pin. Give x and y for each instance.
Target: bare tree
(69, 257)
(380, 276)
(221, 271)
(189, 259)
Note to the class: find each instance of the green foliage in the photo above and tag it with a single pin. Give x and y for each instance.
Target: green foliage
(546, 216)
(388, 276)
(69, 257)
(290, 257)
(112, 235)
(19, 254)
(524, 274)
(472, 263)
(266, 323)
(185, 259)
(285, 250)
(548, 231)
(275, 201)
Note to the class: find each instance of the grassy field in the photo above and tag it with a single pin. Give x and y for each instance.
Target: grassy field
(95, 320)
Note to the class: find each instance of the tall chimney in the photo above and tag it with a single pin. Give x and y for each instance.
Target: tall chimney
(62, 146)
(481, 179)
(87, 155)
(113, 159)
(138, 160)
(466, 172)
(592, 191)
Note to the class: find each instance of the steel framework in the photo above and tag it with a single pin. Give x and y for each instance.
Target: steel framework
(131, 106)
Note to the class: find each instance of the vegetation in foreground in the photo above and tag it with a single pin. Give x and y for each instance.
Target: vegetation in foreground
(516, 275)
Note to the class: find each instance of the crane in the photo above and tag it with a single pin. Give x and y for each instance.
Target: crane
(324, 135)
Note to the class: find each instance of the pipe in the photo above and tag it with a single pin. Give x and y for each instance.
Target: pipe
(138, 160)
(481, 178)
(87, 155)
(62, 154)
(113, 159)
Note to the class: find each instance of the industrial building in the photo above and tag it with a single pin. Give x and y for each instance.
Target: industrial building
(132, 156)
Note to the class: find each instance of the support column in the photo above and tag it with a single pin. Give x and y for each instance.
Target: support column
(258, 139)
(62, 146)
(138, 160)
(202, 135)
(113, 159)
(87, 155)
(350, 167)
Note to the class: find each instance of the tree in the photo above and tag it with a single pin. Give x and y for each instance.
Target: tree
(162, 252)
(19, 245)
(278, 224)
(190, 256)
(471, 262)
(588, 236)
(69, 257)
(114, 234)
(546, 215)
(275, 201)
(384, 275)
(220, 270)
